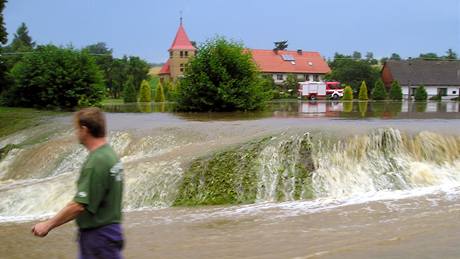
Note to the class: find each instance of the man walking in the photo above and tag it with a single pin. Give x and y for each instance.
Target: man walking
(97, 203)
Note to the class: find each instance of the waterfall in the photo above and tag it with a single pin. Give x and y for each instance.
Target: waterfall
(170, 168)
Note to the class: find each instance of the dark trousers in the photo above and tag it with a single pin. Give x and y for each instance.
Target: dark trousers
(101, 243)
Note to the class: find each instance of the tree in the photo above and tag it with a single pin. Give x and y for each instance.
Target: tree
(356, 55)
(379, 92)
(159, 94)
(280, 45)
(104, 59)
(129, 91)
(396, 91)
(395, 56)
(352, 72)
(370, 58)
(53, 77)
(145, 93)
(363, 91)
(222, 77)
(291, 85)
(429, 56)
(348, 93)
(118, 76)
(138, 69)
(450, 54)
(3, 33)
(22, 41)
(421, 94)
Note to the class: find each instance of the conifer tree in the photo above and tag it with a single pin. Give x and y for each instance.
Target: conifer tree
(348, 93)
(159, 93)
(129, 92)
(379, 92)
(396, 91)
(363, 91)
(145, 94)
(421, 94)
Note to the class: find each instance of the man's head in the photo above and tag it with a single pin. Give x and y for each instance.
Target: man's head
(90, 124)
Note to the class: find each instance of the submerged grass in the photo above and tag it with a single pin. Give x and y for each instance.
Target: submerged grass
(16, 119)
(234, 176)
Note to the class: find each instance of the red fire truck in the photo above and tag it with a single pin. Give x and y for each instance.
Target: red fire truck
(315, 90)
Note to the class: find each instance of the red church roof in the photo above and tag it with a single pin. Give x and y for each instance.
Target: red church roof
(270, 61)
(181, 41)
(165, 69)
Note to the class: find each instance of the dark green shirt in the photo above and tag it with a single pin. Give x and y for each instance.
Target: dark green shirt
(100, 188)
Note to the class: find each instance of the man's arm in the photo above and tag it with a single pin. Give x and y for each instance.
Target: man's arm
(68, 213)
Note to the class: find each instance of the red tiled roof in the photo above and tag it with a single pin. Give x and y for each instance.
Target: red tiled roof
(269, 61)
(181, 41)
(165, 69)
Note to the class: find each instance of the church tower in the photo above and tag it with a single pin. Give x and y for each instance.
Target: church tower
(180, 52)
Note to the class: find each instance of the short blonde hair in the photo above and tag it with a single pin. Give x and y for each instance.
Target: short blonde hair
(93, 119)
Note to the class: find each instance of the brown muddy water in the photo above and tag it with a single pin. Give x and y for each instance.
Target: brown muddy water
(383, 185)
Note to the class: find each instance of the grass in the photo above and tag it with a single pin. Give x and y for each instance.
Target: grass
(112, 101)
(16, 119)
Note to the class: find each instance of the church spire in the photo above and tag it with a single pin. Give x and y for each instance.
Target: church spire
(181, 41)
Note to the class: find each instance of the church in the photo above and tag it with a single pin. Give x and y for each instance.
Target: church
(179, 53)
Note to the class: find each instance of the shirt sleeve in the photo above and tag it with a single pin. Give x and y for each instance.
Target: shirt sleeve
(91, 189)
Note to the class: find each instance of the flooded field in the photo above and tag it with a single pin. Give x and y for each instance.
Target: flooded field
(300, 180)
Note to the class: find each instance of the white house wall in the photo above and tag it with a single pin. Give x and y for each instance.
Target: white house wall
(452, 91)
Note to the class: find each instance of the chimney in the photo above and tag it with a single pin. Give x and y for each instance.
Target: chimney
(299, 51)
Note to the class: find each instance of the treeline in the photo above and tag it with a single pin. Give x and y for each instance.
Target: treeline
(49, 76)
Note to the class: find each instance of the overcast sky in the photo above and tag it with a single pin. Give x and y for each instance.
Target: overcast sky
(146, 28)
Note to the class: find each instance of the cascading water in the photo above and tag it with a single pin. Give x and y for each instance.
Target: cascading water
(171, 167)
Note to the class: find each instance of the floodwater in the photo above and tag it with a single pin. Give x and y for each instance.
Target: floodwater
(386, 183)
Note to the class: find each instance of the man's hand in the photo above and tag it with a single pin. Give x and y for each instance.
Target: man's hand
(41, 229)
(68, 213)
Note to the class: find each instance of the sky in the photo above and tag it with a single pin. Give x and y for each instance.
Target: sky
(146, 28)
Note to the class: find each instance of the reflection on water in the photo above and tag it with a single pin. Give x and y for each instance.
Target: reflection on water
(295, 108)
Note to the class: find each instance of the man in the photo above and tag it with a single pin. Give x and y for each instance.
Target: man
(97, 203)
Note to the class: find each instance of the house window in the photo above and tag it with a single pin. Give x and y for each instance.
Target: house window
(412, 91)
(181, 67)
(279, 77)
(315, 78)
(300, 77)
(181, 54)
(170, 54)
(442, 91)
(186, 53)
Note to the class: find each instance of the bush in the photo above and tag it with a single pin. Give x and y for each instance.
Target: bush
(145, 93)
(159, 94)
(291, 85)
(129, 91)
(363, 91)
(396, 91)
(348, 93)
(221, 77)
(379, 92)
(421, 94)
(53, 77)
(436, 98)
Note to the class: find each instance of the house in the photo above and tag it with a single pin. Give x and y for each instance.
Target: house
(439, 77)
(305, 65)
(179, 53)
